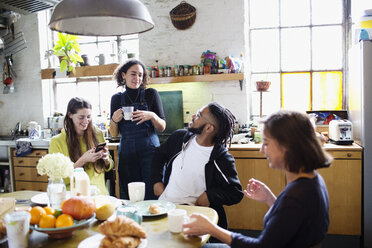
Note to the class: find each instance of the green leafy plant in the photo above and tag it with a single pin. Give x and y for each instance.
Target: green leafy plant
(67, 49)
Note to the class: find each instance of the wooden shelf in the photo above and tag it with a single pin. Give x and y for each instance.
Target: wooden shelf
(198, 78)
(108, 70)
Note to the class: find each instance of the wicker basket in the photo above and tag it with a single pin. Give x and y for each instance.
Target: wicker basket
(183, 15)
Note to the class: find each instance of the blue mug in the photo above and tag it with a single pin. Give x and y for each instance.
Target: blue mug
(130, 212)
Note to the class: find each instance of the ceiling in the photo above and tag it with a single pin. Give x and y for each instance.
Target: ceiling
(26, 7)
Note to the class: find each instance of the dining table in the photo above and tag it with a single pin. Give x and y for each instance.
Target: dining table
(156, 228)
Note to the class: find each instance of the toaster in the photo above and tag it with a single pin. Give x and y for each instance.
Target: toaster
(340, 132)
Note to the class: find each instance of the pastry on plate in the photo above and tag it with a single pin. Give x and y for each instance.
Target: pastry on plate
(154, 209)
(121, 226)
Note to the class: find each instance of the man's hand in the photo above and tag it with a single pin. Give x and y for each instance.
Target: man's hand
(158, 188)
(202, 200)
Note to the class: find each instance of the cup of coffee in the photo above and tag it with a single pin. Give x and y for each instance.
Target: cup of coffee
(17, 227)
(127, 112)
(136, 191)
(176, 218)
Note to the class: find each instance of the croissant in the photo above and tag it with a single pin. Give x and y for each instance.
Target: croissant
(121, 226)
(106, 242)
(126, 242)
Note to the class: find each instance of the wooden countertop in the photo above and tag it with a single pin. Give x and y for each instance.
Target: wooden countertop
(255, 147)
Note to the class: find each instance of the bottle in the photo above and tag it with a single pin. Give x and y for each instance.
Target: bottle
(80, 183)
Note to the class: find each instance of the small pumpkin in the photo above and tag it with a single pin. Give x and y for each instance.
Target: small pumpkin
(79, 207)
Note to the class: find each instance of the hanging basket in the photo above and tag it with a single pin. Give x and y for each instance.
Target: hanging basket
(183, 15)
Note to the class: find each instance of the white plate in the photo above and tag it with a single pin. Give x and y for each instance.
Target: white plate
(100, 199)
(143, 207)
(42, 199)
(95, 240)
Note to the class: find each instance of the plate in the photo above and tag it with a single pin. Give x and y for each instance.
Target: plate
(95, 240)
(101, 199)
(63, 232)
(143, 207)
(42, 198)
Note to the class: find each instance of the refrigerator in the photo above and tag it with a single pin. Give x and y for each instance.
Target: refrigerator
(360, 113)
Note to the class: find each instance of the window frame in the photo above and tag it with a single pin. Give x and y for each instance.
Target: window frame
(345, 27)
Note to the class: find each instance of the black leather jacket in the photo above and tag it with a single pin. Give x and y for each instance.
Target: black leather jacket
(222, 182)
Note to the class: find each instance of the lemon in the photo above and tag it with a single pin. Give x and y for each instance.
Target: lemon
(105, 211)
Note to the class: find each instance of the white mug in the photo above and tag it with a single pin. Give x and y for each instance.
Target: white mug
(176, 218)
(127, 112)
(136, 191)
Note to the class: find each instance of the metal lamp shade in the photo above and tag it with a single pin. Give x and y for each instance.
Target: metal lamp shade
(101, 17)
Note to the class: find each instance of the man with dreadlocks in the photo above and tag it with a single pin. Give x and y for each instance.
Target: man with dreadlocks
(198, 168)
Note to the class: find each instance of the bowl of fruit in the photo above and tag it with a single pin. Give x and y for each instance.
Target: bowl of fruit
(75, 213)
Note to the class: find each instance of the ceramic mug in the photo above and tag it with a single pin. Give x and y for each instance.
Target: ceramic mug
(176, 218)
(127, 112)
(136, 191)
(101, 59)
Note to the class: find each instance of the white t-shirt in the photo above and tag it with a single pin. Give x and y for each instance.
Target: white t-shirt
(187, 180)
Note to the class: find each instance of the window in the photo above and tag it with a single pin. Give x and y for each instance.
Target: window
(97, 90)
(299, 46)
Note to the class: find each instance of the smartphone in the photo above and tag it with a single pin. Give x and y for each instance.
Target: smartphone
(100, 147)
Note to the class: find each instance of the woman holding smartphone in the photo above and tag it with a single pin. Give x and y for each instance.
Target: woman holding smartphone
(138, 138)
(80, 141)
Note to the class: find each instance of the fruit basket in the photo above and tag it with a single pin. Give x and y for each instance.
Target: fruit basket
(63, 232)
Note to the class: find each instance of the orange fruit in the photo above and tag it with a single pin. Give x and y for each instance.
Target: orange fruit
(64, 220)
(47, 221)
(49, 210)
(36, 213)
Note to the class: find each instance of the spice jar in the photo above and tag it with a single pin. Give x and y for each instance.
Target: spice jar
(181, 71)
(161, 71)
(176, 71)
(153, 72)
(169, 71)
(186, 70)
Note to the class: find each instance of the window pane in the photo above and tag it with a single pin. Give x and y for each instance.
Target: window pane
(327, 90)
(87, 39)
(327, 48)
(91, 51)
(295, 45)
(107, 89)
(294, 12)
(265, 50)
(89, 91)
(107, 48)
(64, 92)
(326, 12)
(270, 98)
(262, 16)
(296, 91)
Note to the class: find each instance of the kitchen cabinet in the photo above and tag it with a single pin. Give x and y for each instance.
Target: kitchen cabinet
(343, 179)
(25, 176)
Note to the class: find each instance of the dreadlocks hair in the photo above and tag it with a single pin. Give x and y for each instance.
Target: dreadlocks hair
(226, 123)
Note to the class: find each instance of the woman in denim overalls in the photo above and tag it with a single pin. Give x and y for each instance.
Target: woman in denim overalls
(138, 138)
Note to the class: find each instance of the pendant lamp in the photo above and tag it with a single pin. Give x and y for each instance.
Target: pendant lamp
(101, 17)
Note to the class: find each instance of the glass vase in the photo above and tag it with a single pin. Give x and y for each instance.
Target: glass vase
(56, 192)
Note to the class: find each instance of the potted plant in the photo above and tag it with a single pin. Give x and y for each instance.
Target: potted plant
(67, 49)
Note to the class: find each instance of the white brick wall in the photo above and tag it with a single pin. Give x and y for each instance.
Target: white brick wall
(219, 27)
(25, 104)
